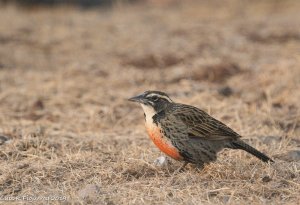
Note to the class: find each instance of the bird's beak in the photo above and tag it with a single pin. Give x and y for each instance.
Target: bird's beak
(138, 98)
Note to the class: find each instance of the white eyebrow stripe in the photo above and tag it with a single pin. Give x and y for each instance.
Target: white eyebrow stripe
(161, 96)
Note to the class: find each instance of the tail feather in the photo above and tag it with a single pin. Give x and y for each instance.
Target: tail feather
(239, 144)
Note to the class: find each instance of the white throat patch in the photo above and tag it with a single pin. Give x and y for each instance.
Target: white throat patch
(149, 112)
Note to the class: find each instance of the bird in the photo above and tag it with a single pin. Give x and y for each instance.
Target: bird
(187, 133)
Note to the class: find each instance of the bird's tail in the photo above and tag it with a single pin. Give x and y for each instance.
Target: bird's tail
(239, 144)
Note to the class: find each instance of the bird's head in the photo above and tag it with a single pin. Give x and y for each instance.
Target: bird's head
(152, 101)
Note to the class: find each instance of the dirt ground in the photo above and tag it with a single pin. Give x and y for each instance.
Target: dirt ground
(68, 131)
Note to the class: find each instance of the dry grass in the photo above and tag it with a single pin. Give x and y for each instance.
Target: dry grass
(65, 75)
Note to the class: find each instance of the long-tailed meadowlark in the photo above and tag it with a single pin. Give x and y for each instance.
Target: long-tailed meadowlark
(187, 133)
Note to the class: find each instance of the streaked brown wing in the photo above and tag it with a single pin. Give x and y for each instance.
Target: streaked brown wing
(199, 124)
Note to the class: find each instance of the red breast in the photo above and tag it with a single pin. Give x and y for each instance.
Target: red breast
(162, 143)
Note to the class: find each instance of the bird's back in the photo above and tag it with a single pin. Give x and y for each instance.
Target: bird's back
(197, 123)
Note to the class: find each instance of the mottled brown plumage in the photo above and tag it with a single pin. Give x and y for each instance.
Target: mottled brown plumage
(187, 133)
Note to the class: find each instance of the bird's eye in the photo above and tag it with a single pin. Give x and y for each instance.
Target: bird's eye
(155, 98)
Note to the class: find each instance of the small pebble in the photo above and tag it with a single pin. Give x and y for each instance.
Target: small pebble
(3, 139)
(161, 161)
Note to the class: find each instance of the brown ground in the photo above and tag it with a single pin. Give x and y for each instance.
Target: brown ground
(66, 127)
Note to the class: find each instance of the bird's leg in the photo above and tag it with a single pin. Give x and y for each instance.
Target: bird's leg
(182, 167)
(200, 166)
(176, 172)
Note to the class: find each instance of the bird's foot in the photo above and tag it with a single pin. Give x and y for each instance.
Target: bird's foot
(199, 167)
(181, 169)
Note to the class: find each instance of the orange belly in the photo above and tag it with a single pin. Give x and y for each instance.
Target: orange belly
(162, 143)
